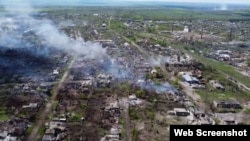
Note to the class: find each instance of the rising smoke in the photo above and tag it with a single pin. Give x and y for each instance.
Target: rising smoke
(158, 61)
(18, 21)
(222, 7)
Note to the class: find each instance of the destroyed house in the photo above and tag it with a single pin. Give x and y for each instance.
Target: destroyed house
(229, 120)
(181, 112)
(48, 138)
(199, 113)
(227, 104)
(3, 135)
(216, 85)
(46, 86)
(190, 79)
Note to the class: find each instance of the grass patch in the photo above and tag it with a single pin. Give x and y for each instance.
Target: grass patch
(83, 107)
(29, 130)
(135, 134)
(224, 68)
(247, 111)
(3, 115)
(123, 133)
(147, 113)
(50, 116)
(55, 103)
(74, 117)
(209, 97)
(151, 115)
(176, 83)
(133, 114)
(41, 130)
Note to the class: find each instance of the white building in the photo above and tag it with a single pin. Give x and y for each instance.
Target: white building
(186, 29)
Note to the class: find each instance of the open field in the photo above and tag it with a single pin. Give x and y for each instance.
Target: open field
(225, 69)
(153, 13)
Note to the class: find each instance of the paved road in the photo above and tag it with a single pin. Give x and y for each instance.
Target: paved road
(42, 117)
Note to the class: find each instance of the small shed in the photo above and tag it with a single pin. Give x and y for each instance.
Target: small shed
(190, 79)
(181, 112)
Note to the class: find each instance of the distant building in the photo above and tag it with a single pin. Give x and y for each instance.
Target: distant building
(55, 72)
(228, 104)
(48, 138)
(224, 57)
(181, 112)
(186, 29)
(154, 71)
(31, 105)
(104, 25)
(190, 79)
(216, 85)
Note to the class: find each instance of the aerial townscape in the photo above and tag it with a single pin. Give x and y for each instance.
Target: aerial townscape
(121, 71)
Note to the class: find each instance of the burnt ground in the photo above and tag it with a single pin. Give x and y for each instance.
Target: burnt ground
(87, 106)
(26, 62)
(93, 121)
(151, 122)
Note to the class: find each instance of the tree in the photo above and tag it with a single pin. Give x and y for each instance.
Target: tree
(135, 134)
(140, 93)
(248, 62)
(151, 30)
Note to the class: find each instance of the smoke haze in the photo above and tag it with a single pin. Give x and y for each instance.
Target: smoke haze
(21, 22)
(18, 29)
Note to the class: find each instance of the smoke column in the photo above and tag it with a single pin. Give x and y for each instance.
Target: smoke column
(21, 22)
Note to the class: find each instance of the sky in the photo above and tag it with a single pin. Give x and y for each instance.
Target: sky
(199, 1)
(107, 2)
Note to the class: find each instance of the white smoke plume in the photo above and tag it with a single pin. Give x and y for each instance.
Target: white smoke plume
(158, 60)
(222, 7)
(21, 21)
(18, 20)
(18, 7)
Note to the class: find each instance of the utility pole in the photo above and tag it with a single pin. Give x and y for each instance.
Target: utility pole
(243, 34)
(230, 34)
(202, 30)
(172, 27)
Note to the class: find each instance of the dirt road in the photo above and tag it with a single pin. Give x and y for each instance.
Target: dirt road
(124, 104)
(193, 95)
(187, 89)
(42, 117)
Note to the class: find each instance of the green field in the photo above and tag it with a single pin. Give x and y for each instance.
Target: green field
(152, 13)
(224, 68)
(3, 114)
(209, 96)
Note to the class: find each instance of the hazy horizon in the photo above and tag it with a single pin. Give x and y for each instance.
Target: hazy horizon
(120, 2)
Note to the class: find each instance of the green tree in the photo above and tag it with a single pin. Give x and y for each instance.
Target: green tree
(151, 30)
(135, 134)
(140, 93)
(248, 62)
